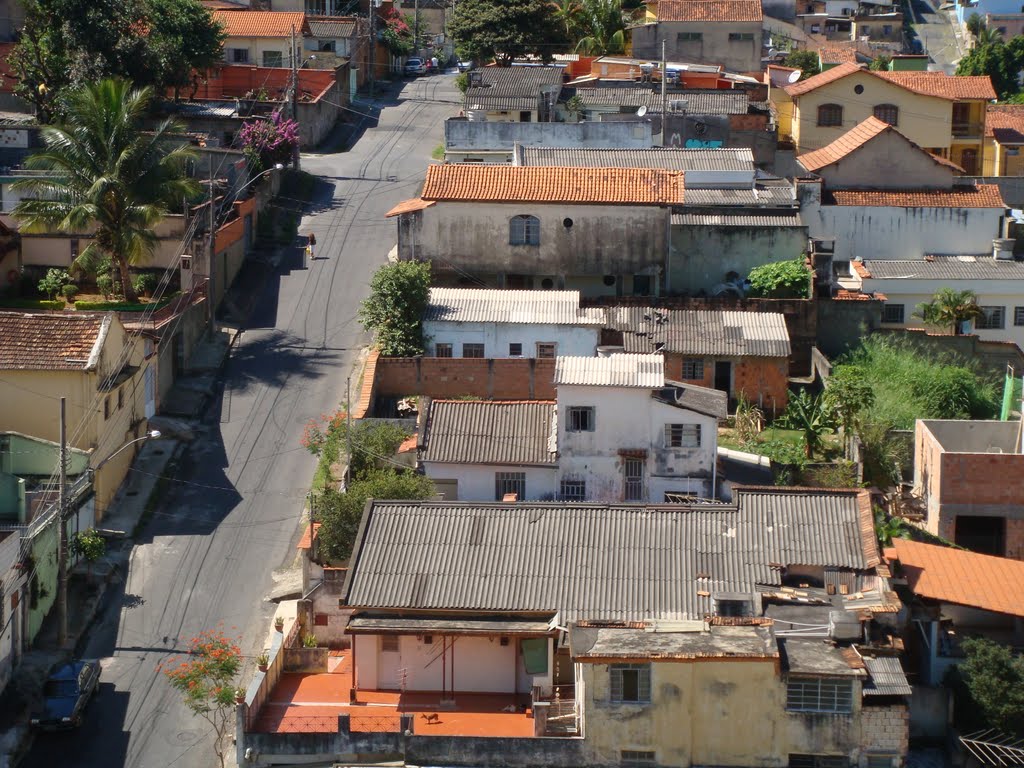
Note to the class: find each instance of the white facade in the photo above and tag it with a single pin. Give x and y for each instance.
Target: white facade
(12, 586)
(479, 482)
(497, 338)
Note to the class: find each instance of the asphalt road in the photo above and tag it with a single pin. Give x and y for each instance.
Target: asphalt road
(936, 34)
(231, 514)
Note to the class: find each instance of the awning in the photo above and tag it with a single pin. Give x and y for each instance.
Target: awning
(367, 625)
(887, 677)
(409, 206)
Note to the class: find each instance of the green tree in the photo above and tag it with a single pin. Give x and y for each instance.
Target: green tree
(988, 37)
(849, 394)
(341, 513)
(186, 42)
(567, 14)
(205, 679)
(394, 310)
(1001, 62)
(889, 528)
(107, 175)
(54, 281)
(994, 677)
(781, 280)
(372, 442)
(806, 61)
(880, 63)
(603, 27)
(950, 308)
(504, 30)
(808, 414)
(90, 546)
(975, 24)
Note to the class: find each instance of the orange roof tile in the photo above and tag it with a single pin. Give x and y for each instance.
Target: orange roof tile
(409, 206)
(856, 138)
(860, 269)
(937, 84)
(1005, 123)
(261, 23)
(552, 184)
(837, 54)
(822, 78)
(68, 341)
(710, 10)
(961, 577)
(981, 196)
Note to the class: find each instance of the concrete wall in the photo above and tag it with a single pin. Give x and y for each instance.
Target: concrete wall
(460, 133)
(872, 166)
(476, 482)
(257, 47)
(496, 337)
(702, 256)
(715, 47)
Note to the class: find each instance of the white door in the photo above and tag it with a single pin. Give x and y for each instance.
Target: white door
(389, 662)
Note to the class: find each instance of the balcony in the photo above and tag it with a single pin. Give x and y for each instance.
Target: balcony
(967, 130)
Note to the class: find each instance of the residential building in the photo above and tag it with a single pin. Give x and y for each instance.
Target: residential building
(92, 361)
(1004, 16)
(944, 114)
(725, 33)
(997, 282)
(524, 94)
(486, 141)
(744, 354)
(262, 38)
(1004, 138)
(602, 231)
(335, 39)
(968, 475)
(626, 433)
(957, 594)
(13, 582)
(481, 322)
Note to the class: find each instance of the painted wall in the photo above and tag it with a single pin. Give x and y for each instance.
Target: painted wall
(715, 47)
(630, 419)
(465, 134)
(257, 46)
(496, 337)
(871, 167)
(702, 256)
(476, 482)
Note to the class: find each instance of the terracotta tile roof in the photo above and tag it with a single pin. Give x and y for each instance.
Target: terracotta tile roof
(51, 342)
(836, 54)
(409, 206)
(308, 536)
(1005, 123)
(552, 184)
(709, 10)
(937, 84)
(275, 24)
(856, 138)
(981, 196)
(860, 269)
(961, 577)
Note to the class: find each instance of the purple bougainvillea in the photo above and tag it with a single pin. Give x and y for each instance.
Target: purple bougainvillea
(266, 142)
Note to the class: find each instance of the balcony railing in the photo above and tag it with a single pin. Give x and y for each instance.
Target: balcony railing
(558, 713)
(961, 130)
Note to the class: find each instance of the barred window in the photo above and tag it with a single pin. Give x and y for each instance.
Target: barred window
(888, 113)
(524, 230)
(442, 350)
(580, 419)
(389, 643)
(735, 37)
(510, 482)
(546, 348)
(693, 369)
(630, 682)
(574, 490)
(992, 318)
(819, 694)
(689, 37)
(830, 115)
(472, 350)
(632, 758)
(1018, 315)
(893, 313)
(682, 435)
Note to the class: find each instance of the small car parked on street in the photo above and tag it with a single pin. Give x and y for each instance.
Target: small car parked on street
(415, 66)
(65, 695)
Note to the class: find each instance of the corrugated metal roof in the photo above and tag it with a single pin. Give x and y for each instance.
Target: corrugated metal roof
(946, 268)
(516, 80)
(595, 561)
(669, 158)
(478, 100)
(489, 432)
(326, 27)
(698, 102)
(701, 332)
(710, 402)
(487, 305)
(736, 220)
(646, 371)
(761, 195)
(887, 677)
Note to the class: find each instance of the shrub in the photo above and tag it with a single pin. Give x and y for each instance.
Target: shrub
(145, 283)
(120, 306)
(70, 291)
(267, 142)
(106, 284)
(54, 282)
(781, 280)
(33, 304)
(394, 310)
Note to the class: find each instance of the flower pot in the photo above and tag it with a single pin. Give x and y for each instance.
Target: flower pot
(262, 667)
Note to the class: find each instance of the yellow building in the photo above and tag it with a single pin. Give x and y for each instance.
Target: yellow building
(942, 113)
(1004, 138)
(89, 359)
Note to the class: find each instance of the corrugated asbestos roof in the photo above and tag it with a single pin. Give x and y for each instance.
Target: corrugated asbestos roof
(887, 677)
(668, 158)
(488, 305)
(595, 561)
(945, 268)
(332, 27)
(489, 432)
(702, 102)
(516, 80)
(767, 195)
(736, 220)
(645, 371)
(700, 331)
(710, 402)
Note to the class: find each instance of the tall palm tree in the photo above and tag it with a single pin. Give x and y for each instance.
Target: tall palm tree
(950, 308)
(603, 24)
(108, 176)
(987, 36)
(566, 13)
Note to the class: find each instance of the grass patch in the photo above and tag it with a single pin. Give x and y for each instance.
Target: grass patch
(780, 445)
(438, 152)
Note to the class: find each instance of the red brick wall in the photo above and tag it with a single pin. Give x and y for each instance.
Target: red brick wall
(982, 478)
(748, 122)
(1015, 539)
(233, 81)
(499, 379)
(762, 380)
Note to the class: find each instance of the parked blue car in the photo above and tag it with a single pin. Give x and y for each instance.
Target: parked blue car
(65, 695)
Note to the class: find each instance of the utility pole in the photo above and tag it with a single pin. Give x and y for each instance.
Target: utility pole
(664, 94)
(295, 93)
(416, 25)
(211, 253)
(348, 428)
(373, 46)
(62, 551)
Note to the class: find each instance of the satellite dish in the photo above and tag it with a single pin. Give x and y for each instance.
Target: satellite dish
(794, 76)
(642, 111)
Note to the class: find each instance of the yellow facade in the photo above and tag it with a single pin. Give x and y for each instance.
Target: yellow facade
(1003, 160)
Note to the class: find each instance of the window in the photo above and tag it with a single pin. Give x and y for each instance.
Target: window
(321, 620)
(120, 398)
(642, 285)
(389, 643)
(819, 694)
(106, 407)
(1018, 315)
(733, 606)
(886, 31)
(993, 318)
(631, 758)
(880, 761)
(546, 349)
(574, 490)
(630, 683)
(524, 230)
(693, 369)
(472, 350)
(689, 37)
(830, 115)
(579, 419)
(328, 46)
(818, 761)
(515, 349)
(509, 482)
(633, 477)
(239, 55)
(273, 59)
(888, 113)
(961, 118)
(892, 313)
(737, 37)
(682, 435)
(442, 350)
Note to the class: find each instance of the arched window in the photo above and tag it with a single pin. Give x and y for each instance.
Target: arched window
(830, 115)
(524, 230)
(888, 113)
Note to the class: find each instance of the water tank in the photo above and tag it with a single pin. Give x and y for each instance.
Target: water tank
(476, 115)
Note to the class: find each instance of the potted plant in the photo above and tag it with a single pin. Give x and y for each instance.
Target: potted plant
(309, 640)
(279, 623)
(239, 696)
(262, 661)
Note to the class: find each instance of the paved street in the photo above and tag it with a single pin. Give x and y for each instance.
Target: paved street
(936, 35)
(230, 516)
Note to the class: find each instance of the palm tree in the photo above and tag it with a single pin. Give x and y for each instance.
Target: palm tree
(566, 12)
(603, 23)
(987, 36)
(108, 176)
(950, 308)
(808, 414)
(975, 24)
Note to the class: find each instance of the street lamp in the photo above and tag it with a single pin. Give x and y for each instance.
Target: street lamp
(151, 435)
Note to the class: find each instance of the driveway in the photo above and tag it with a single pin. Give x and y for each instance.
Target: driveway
(230, 514)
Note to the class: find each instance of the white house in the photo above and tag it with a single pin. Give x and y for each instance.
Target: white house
(479, 322)
(997, 282)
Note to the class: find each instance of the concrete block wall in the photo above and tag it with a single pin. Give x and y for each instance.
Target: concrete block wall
(885, 729)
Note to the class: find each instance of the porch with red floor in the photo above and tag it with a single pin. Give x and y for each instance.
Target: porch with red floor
(311, 702)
